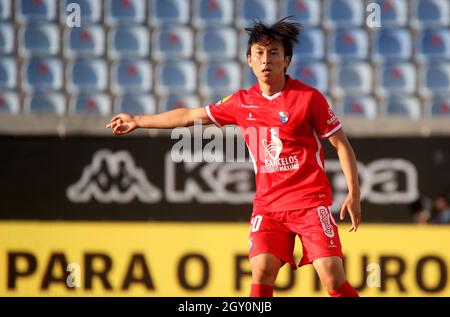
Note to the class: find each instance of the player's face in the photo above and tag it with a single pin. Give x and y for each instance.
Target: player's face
(268, 61)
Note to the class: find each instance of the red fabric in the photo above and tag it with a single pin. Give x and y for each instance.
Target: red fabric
(260, 290)
(283, 137)
(346, 290)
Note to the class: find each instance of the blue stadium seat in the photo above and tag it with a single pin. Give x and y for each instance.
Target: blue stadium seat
(249, 77)
(5, 9)
(216, 43)
(435, 78)
(163, 12)
(396, 78)
(343, 13)
(176, 77)
(131, 75)
(311, 47)
(87, 75)
(402, 106)
(39, 39)
(42, 74)
(125, 11)
(348, 44)
(219, 76)
(53, 103)
(351, 78)
(357, 106)
(172, 43)
(305, 11)
(91, 11)
(129, 41)
(391, 43)
(249, 10)
(243, 42)
(430, 13)
(9, 103)
(91, 104)
(84, 41)
(311, 73)
(135, 104)
(6, 39)
(36, 10)
(439, 106)
(394, 13)
(433, 45)
(173, 101)
(8, 73)
(212, 12)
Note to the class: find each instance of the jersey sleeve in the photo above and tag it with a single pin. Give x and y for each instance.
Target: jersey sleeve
(324, 120)
(223, 112)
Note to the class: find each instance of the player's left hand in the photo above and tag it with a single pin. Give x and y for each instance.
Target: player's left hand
(353, 206)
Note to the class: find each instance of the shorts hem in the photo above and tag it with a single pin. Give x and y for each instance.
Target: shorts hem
(324, 255)
(291, 262)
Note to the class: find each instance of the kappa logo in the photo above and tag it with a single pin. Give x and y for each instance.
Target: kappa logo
(113, 177)
(325, 220)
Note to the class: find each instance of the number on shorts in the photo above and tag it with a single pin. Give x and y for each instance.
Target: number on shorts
(256, 223)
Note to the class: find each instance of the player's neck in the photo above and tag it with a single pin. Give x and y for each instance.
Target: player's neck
(271, 88)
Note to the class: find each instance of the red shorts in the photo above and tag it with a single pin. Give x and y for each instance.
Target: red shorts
(274, 233)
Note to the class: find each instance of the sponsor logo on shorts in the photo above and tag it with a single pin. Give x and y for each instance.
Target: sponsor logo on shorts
(325, 220)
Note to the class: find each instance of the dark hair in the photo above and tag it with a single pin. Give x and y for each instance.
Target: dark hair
(283, 31)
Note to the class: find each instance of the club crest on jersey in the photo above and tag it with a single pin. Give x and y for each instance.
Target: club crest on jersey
(283, 115)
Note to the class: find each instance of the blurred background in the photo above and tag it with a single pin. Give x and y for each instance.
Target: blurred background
(86, 213)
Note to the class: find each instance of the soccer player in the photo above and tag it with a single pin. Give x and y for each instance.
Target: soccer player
(287, 119)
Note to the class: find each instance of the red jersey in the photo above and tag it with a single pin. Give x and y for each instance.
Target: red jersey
(283, 134)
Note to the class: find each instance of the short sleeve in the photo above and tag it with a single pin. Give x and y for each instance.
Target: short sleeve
(324, 120)
(223, 112)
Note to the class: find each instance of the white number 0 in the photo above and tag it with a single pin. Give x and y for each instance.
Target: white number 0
(256, 223)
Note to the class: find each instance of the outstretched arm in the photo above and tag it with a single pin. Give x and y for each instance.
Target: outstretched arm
(349, 167)
(124, 123)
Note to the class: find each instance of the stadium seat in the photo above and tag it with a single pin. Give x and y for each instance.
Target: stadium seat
(131, 75)
(173, 42)
(391, 43)
(215, 98)
(343, 13)
(129, 41)
(35, 10)
(357, 106)
(163, 12)
(135, 104)
(249, 10)
(91, 11)
(8, 73)
(6, 39)
(39, 39)
(402, 106)
(433, 45)
(439, 106)
(9, 103)
(219, 76)
(249, 77)
(305, 11)
(212, 12)
(242, 50)
(42, 74)
(396, 78)
(348, 44)
(45, 103)
(311, 47)
(84, 41)
(172, 101)
(87, 75)
(314, 74)
(435, 78)
(351, 78)
(5, 9)
(216, 43)
(176, 77)
(394, 13)
(125, 11)
(430, 13)
(91, 104)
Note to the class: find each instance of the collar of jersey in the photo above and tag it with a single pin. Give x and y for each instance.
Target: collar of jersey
(288, 78)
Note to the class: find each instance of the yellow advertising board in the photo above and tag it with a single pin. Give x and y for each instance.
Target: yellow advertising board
(205, 259)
